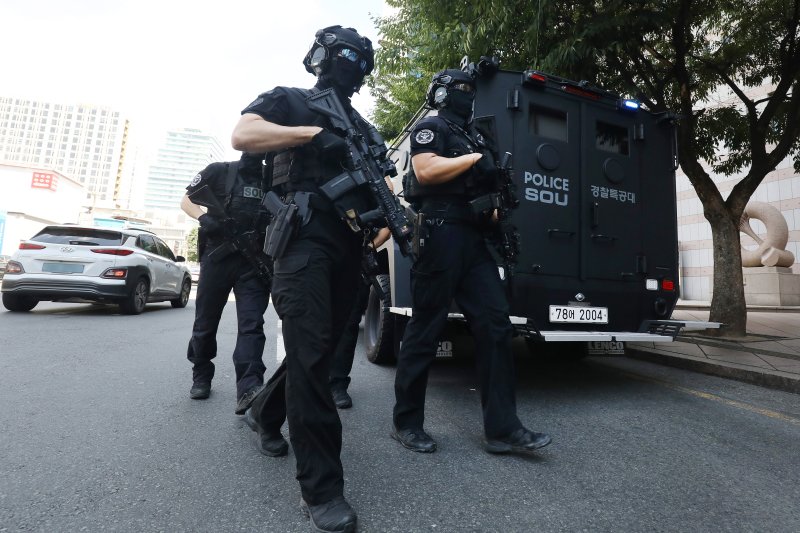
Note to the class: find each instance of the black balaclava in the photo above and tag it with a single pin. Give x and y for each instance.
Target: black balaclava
(456, 106)
(459, 104)
(345, 76)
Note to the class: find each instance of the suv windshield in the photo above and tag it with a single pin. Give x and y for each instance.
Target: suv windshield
(79, 236)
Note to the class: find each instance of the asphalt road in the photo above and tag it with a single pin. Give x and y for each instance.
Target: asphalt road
(97, 433)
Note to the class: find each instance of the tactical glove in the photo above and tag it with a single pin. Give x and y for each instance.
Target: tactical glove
(209, 224)
(331, 147)
(486, 168)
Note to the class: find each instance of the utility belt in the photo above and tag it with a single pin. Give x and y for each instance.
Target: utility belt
(305, 200)
(438, 213)
(457, 210)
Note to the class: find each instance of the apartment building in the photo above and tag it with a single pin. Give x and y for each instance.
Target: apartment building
(181, 155)
(84, 142)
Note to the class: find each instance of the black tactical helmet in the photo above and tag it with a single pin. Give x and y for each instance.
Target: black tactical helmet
(336, 41)
(443, 82)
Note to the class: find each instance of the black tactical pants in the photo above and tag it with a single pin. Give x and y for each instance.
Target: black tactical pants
(313, 291)
(216, 281)
(457, 265)
(346, 347)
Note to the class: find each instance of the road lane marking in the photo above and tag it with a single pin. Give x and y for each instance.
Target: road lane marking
(719, 399)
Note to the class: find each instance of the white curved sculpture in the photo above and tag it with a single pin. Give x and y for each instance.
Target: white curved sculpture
(771, 250)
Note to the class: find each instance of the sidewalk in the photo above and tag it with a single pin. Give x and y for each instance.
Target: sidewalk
(768, 356)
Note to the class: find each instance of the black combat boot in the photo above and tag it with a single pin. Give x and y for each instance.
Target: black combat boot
(415, 440)
(521, 440)
(200, 390)
(269, 443)
(334, 516)
(341, 398)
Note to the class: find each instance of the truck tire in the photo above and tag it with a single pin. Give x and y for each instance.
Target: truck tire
(134, 303)
(379, 325)
(18, 302)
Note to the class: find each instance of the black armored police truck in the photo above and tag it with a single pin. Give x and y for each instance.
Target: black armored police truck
(597, 228)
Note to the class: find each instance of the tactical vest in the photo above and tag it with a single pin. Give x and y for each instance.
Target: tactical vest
(463, 186)
(300, 168)
(244, 200)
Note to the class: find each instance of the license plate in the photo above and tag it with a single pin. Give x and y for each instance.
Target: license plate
(62, 268)
(578, 315)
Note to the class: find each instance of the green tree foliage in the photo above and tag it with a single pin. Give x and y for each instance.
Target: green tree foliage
(706, 60)
(191, 246)
(423, 37)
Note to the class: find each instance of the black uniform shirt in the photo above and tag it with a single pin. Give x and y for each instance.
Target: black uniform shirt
(215, 176)
(285, 106)
(434, 135)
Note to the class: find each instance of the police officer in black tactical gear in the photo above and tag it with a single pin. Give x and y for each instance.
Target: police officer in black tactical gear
(452, 166)
(237, 185)
(316, 276)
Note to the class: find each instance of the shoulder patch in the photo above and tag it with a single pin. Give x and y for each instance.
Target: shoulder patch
(255, 102)
(196, 180)
(425, 136)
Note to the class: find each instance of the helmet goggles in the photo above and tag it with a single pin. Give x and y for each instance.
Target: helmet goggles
(448, 81)
(354, 57)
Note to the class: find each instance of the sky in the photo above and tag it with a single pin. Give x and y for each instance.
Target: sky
(168, 63)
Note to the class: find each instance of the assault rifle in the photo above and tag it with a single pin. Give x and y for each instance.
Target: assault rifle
(237, 239)
(367, 164)
(508, 201)
(503, 200)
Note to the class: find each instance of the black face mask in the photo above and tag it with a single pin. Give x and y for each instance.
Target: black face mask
(345, 76)
(459, 103)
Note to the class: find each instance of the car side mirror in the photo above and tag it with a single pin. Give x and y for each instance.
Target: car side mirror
(180, 259)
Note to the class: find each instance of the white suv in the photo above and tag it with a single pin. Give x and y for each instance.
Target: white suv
(130, 267)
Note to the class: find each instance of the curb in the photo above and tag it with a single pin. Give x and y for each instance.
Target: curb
(780, 381)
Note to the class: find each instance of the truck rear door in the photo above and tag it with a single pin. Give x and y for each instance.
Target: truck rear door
(543, 132)
(612, 230)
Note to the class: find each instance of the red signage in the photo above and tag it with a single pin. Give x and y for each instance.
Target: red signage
(43, 180)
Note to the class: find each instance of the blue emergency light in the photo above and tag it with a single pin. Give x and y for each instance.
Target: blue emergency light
(628, 104)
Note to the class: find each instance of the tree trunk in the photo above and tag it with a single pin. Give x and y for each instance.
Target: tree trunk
(727, 304)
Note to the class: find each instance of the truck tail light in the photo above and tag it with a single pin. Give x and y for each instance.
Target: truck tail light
(112, 251)
(115, 273)
(31, 246)
(667, 285)
(533, 77)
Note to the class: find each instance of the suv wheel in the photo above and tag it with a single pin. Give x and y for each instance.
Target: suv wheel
(134, 303)
(19, 302)
(181, 301)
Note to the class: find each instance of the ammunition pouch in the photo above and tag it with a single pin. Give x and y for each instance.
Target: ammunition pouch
(485, 204)
(351, 199)
(222, 251)
(296, 164)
